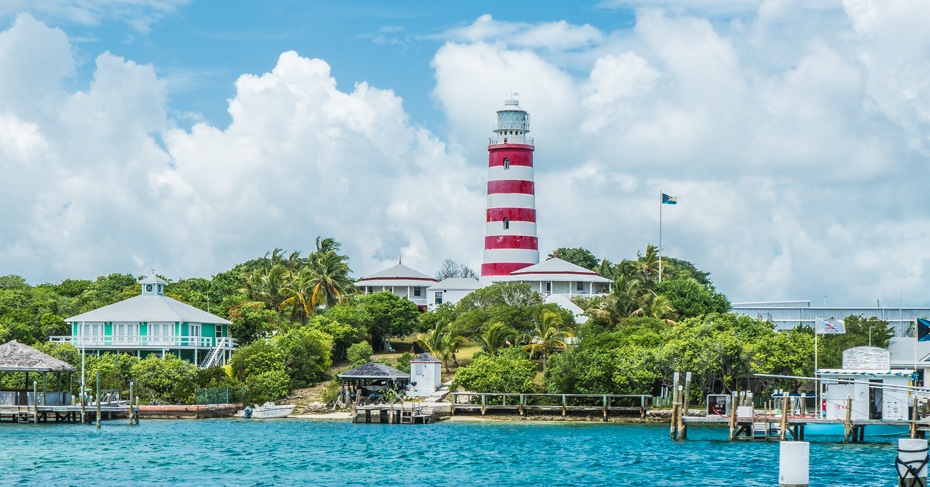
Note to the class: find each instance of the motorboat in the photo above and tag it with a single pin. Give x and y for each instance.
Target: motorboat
(266, 411)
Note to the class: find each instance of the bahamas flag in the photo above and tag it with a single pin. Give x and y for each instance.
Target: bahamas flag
(923, 330)
(669, 200)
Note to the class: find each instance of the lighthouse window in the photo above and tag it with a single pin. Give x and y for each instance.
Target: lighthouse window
(506, 223)
(506, 163)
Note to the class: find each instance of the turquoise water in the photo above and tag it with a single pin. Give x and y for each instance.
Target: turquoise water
(320, 452)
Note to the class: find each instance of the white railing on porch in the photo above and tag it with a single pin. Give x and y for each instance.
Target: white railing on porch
(146, 342)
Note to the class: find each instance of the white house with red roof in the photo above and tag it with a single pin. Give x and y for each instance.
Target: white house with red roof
(400, 280)
(556, 276)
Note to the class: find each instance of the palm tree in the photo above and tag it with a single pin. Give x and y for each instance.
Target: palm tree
(495, 337)
(299, 294)
(660, 308)
(328, 279)
(265, 285)
(548, 334)
(648, 265)
(441, 342)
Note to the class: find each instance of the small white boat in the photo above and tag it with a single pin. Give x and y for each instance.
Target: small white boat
(266, 411)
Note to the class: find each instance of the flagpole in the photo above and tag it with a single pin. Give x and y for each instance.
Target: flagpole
(660, 235)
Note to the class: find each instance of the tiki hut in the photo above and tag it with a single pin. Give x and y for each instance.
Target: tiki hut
(16, 357)
(369, 383)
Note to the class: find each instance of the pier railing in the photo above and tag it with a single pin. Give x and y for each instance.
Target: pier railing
(474, 401)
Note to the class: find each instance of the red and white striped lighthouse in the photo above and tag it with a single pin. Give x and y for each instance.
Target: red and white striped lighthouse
(510, 233)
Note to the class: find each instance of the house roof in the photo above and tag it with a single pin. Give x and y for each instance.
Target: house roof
(901, 351)
(399, 275)
(15, 356)
(153, 279)
(564, 302)
(425, 357)
(149, 308)
(457, 284)
(374, 370)
(554, 269)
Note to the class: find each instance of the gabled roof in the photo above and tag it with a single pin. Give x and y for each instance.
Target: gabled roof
(151, 308)
(555, 270)
(15, 356)
(457, 284)
(399, 275)
(425, 357)
(374, 370)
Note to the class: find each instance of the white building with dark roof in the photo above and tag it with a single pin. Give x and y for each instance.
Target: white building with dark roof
(400, 280)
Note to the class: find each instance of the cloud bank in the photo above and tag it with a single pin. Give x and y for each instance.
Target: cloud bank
(794, 135)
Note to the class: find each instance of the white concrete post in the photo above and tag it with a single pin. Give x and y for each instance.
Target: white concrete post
(794, 463)
(911, 463)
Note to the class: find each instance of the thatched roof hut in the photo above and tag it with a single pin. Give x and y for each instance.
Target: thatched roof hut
(374, 371)
(16, 357)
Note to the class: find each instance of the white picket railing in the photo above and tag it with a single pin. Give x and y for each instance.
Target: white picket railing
(146, 342)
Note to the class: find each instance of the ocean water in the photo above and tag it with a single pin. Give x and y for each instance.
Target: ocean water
(327, 452)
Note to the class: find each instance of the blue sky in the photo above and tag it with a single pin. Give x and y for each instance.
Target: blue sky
(205, 45)
(189, 136)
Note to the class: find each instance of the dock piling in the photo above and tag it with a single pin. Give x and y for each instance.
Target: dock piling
(733, 416)
(35, 402)
(911, 463)
(685, 405)
(672, 431)
(847, 425)
(784, 417)
(794, 464)
(97, 399)
(130, 404)
(914, 420)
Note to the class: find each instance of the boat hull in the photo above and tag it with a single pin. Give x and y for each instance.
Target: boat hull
(268, 412)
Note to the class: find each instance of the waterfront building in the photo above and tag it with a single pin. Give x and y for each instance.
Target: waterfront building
(908, 353)
(400, 280)
(17, 357)
(153, 323)
(510, 241)
(788, 314)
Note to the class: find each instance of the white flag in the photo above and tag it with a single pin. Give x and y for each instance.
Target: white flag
(829, 327)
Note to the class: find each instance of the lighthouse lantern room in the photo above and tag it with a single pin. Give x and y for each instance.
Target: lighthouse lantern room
(510, 241)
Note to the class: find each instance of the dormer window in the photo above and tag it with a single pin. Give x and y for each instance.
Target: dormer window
(506, 223)
(149, 288)
(506, 163)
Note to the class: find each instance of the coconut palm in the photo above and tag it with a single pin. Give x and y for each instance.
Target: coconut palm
(441, 342)
(547, 334)
(265, 285)
(328, 279)
(495, 337)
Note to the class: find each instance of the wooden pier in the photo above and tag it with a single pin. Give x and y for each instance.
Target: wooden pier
(400, 413)
(66, 414)
(523, 404)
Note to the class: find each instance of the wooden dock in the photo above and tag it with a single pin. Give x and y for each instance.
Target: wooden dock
(523, 404)
(64, 414)
(400, 413)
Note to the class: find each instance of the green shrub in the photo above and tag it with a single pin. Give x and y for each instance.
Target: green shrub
(403, 362)
(169, 379)
(511, 372)
(267, 386)
(359, 353)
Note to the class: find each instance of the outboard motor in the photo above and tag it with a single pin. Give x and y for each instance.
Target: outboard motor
(247, 412)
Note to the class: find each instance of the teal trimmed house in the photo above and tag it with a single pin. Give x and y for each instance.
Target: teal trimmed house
(153, 323)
